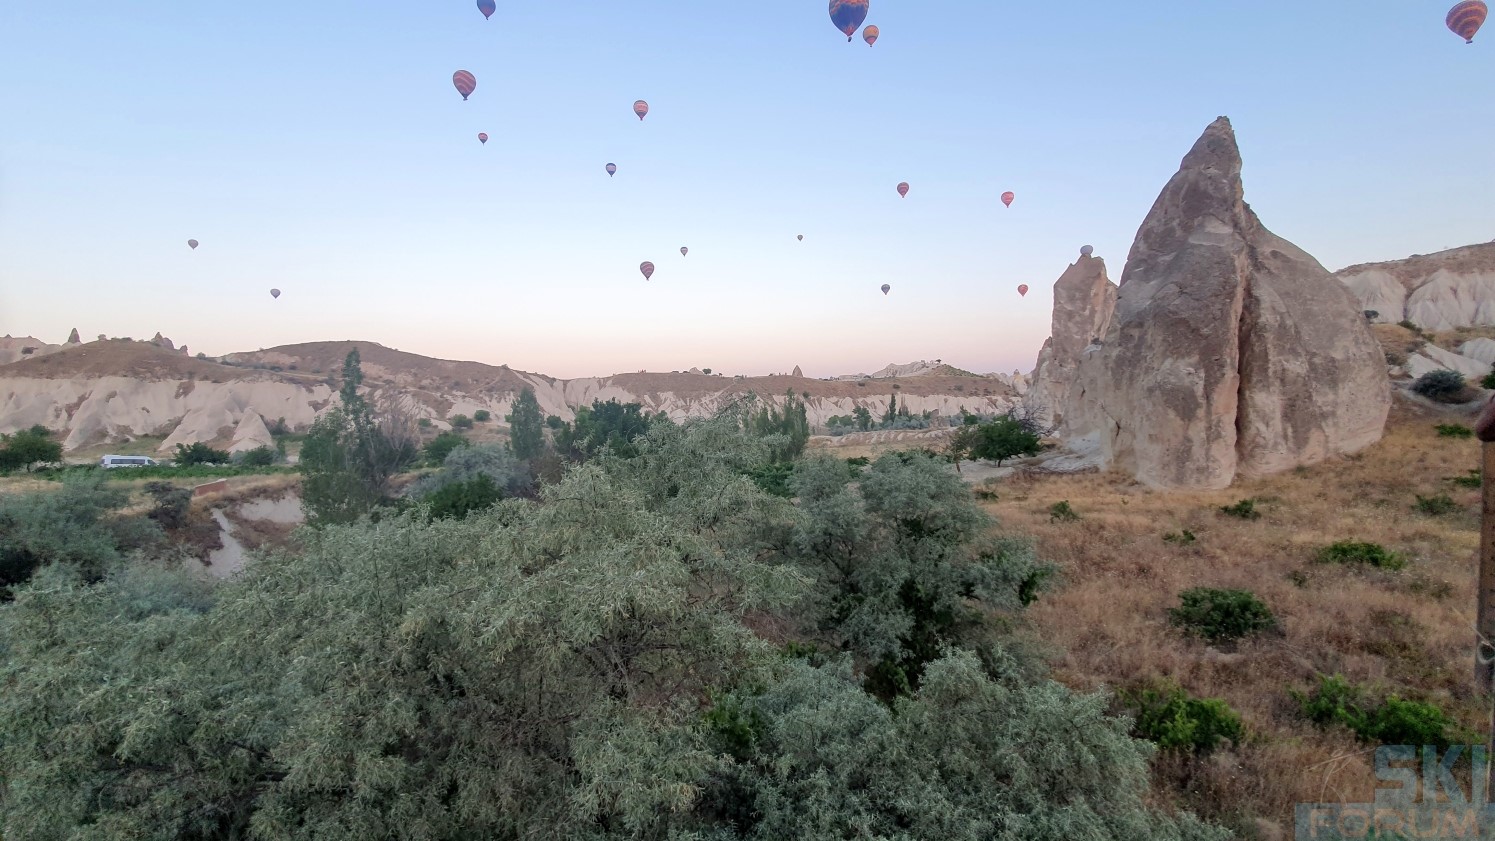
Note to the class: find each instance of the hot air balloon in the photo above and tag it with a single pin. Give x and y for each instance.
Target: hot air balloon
(487, 7)
(483, 137)
(847, 15)
(641, 108)
(1466, 18)
(903, 189)
(801, 237)
(611, 170)
(1087, 250)
(870, 35)
(466, 83)
(886, 288)
(192, 243)
(1022, 290)
(684, 251)
(275, 293)
(1007, 198)
(647, 268)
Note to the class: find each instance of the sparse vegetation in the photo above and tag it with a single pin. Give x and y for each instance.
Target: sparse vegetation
(1488, 380)
(460, 422)
(1219, 616)
(1442, 386)
(482, 416)
(1061, 512)
(1360, 553)
(1243, 510)
(1471, 479)
(1394, 721)
(1438, 505)
(1454, 430)
(1173, 719)
(1181, 538)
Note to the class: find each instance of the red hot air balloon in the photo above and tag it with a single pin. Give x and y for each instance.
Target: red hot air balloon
(612, 170)
(1022, 290)
(1007, 198)
(647, 268)
(275, 293)
(641, 108)
(487, 7)
(870, 35)
(684, 251)
(192, 244)
(1466, 18)
(886, 289)
(483, 137)
(903, 189)
(465, 82)
(847, 15)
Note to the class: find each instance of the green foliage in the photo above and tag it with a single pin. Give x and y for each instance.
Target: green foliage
(74, 526)
(170, 504)
(1443, 386)
(1005, 437)
(1394, 721)
(1471, 479)
(1454, 430)
(1244, 510)
(1436, 506)
(458, 499)
(257, 457)
(135, 474)
(28, 448)
(1354, 552)
(1181, 538)
(1408, 325)
(460, 422)
(437, 449)
(786, 429)
(1175, 720)
(465, 465)
(200, 453)
(526, 429)
(1221, 615)
(1061, 512)
(858, 461)
(863, 418)
(602, 426)
(1488, 380)
(424, 423)
(773, 478)
(482, 416)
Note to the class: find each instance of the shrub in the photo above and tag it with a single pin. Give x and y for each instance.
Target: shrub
(1454, 430)
(1407, 325)
(482, 416)
(461, 422)
(1472, 479)
(200, 453)
(1221, 615)
(1182, 538)
(458, 499)
(424, 423)
(1353, 552)
(1174, 720)
(773, 478)
(171, 504)
(1436, 506)
(1488, 381)
(27, 448)
(1393, 722)
(859, 461)
(438, 448)
(1245, 510)
(257, 457)
(1442, 386)
(1061, 512)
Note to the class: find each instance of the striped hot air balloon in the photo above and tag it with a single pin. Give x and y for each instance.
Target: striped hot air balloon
(647, 268)
(465, 82)
(1022, 289)
(612, 169)
(903, 189)
(886, 289)
(847, 15)
(1466, 18)
(483, 137)
(487, 7)
(641, 108)
(870, 35)
(192, 244)
(684, 251)
(1007, 198)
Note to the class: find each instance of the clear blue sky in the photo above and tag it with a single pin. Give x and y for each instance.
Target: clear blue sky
(319, 147)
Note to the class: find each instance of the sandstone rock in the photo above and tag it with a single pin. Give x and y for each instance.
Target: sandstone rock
(251, 433)
(1084, 299)
(798, 372)
(1482, 350)
(102, 337)
(73, 338)
(1231, 351)
(162, 342)
(1442, 291)
(1432, 358)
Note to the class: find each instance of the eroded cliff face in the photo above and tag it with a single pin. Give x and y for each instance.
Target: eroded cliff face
(1084, 299)
(1231, 352)
(1442, 291)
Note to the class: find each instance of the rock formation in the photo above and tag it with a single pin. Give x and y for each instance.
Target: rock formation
(161, 341)
(1084, 299)
(1442, 291)
(798, 372)
(251, 433)
(73, 338)
(1231, 351)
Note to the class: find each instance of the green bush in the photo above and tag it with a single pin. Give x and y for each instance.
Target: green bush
(1245, 510)
(1488, 381)
(438, 448)
(1221, 615)
(28, 448)
(1472, 479)
(1354, 552)
(773, 478)
(1442, 386)
(1394, 721)
(859, 461)
(1408, 325)
(458, 499)
(1174, 720)
(424, 423)
(200, 453)
(1182, 538)
(1061, 512)
(460, 422)
(482, 416)
(257, 457)
(171, 504)
(1436, 506)
(1454, 430)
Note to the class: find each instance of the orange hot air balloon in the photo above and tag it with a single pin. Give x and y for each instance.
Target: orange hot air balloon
(1007, 198)
(647, 268)
(483, 137)
(641, 108)
(192, 243)
(870, 35)
(1022, 289)
(847, 15)
(903, 189)
(612, 170)
(684, 251)
(1466, 18)
(275, 293)
(465, 83)
(886, 289)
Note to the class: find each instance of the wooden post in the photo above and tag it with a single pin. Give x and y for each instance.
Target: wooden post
(1484, 658)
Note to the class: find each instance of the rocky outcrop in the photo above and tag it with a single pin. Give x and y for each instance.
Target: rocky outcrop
(161, 341)
(1231, 351)
(24, 347)
(73, 338)
(1084, 299)
(1442, 291)
(797, 372)
(1480, 350)
(1433, 358)
(251, 433)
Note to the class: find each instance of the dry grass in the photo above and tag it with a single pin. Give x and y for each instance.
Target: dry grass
(1408, 632)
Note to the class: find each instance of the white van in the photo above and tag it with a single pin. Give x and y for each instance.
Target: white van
(127, 461)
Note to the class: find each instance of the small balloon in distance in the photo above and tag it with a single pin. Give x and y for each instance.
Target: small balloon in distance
(192, 243)
(641, 108)
(275, 293)
(1007, 198)
(612, 169)
(465, 83)
(487, 7)
(870, 35)
(647, 268)
(1022, 290)
(684, 251)
(903, 189)
(1087, 250)
(886, 288)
